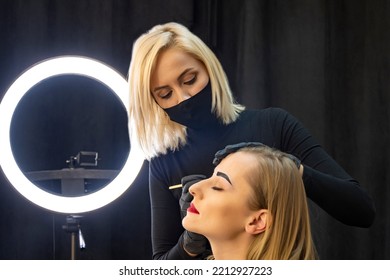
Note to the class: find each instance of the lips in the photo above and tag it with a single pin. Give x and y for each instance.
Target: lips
(192, 209)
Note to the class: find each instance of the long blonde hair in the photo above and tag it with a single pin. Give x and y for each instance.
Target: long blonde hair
(154, 130)
(278, 186)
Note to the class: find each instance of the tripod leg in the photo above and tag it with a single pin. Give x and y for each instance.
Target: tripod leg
(73, 246)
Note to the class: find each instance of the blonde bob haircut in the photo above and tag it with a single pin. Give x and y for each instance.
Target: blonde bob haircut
(155, 132)
(277, 185)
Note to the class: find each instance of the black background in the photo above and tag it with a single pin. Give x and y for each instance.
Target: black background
(327, 62)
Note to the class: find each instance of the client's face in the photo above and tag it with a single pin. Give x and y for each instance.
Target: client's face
(220, 208)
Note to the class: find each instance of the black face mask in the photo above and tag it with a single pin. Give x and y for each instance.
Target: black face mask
(195, 112)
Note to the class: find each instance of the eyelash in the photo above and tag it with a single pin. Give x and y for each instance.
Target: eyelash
(190, 82)
(216, 188)
(166, 96)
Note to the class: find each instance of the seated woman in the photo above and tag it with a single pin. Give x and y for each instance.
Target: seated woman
(252, 207)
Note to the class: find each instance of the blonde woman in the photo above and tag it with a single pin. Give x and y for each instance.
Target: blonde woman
(182, 111)
(257, 211)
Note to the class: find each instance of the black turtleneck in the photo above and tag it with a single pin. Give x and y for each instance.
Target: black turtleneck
(326, 183)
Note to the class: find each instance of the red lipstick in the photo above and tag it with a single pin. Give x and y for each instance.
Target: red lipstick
(192, 209)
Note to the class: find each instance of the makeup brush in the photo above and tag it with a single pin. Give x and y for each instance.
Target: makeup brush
(175, 186)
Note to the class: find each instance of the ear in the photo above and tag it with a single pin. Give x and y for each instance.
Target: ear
(257, 222)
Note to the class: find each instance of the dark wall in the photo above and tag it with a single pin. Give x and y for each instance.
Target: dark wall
(327, 62)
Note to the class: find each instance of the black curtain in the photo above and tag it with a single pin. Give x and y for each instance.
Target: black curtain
(326, 62)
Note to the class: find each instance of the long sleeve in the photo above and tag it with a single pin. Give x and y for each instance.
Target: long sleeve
(166, 221)
(326, 182)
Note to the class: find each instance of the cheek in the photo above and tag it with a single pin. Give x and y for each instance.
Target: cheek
(166, 104)
(226, 218)
(203, 80)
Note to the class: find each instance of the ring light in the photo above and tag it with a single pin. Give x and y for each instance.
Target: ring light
(68, 65)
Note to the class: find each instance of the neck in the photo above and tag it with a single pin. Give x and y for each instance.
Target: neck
(236, 249)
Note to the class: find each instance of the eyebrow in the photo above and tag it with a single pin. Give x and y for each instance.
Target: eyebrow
(223, 175)
(178, 78)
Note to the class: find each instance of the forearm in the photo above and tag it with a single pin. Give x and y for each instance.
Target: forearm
(326, 182)
(343, 199)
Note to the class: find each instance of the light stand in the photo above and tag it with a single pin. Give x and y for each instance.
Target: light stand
(73, 227)
(73, 199)
(73, 185)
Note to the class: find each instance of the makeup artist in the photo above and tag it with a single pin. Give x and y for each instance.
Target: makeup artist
(183, 111)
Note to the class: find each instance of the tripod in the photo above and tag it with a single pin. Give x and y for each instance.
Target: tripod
(73, 227)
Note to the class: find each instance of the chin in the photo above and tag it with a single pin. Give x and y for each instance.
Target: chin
(188, 225)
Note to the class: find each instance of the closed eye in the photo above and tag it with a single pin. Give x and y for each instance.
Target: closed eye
(217, 188)
(191, 81)
(166, 95)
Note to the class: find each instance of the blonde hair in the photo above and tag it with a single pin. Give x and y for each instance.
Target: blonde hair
(277, 186)
(154, 130)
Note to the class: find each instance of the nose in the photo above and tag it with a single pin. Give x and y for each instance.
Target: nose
(192, 190)
(195, 190)
(182, 95)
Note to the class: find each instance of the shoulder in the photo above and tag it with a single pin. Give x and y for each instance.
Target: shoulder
(273, 122)
(265, 111)
(271, 114)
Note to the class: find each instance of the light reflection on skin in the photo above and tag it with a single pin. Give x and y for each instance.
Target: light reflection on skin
(220, 209)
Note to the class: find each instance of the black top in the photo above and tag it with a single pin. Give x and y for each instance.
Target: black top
(326, 183)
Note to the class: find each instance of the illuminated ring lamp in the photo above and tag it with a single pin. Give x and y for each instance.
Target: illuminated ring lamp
(67, 65)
